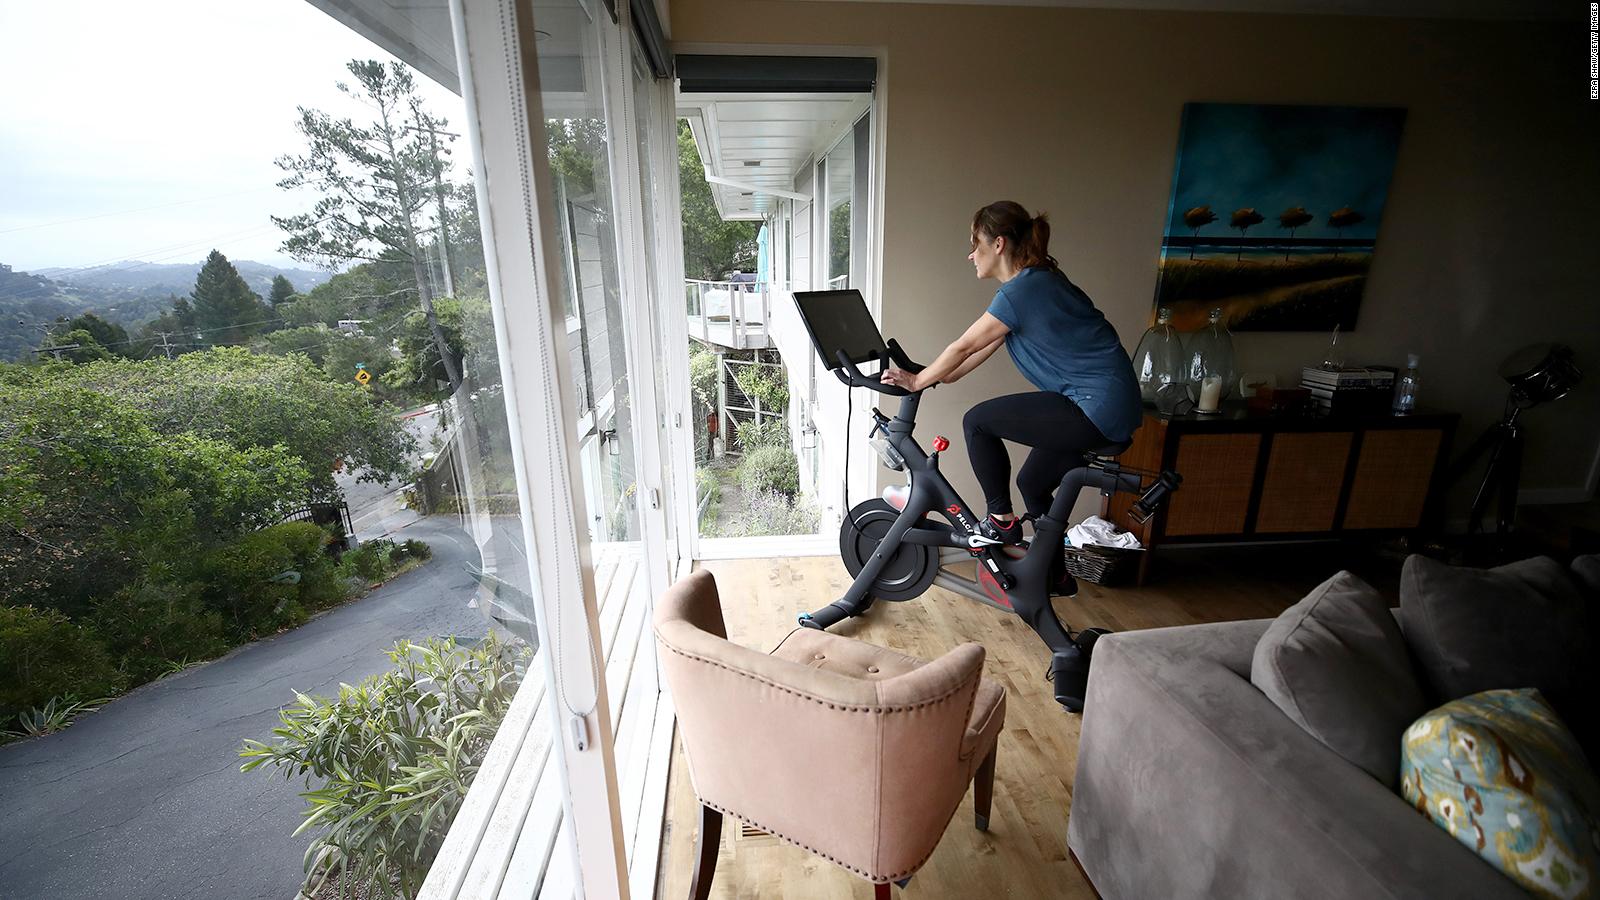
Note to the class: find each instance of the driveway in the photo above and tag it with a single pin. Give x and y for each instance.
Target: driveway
(145, 799)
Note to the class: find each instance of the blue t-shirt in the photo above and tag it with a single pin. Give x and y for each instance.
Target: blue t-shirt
(1061, 343)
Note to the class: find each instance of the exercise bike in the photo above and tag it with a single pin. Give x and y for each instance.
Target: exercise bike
(895, 551)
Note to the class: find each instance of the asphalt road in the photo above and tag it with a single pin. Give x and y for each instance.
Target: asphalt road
(144, 800)
(376, 508)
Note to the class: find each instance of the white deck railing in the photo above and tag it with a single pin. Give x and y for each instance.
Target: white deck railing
(732, 314)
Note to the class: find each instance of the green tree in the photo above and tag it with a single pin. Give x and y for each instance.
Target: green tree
(109, 335)
(94, 494)
(419, 368)
(169, 334)
(282, 290)
(373, 180)
(84, 346)
(711, 247)
(258, 402)
(226, 311)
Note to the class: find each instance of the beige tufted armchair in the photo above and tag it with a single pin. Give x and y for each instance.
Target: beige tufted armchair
(856, 753)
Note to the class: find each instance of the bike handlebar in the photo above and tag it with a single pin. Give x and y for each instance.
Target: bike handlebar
(849, 373)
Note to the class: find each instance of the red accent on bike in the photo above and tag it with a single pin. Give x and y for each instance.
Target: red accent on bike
(941, 444)
(953, 510)
(992, 587)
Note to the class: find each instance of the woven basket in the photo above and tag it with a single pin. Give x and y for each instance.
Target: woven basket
(1103, 565)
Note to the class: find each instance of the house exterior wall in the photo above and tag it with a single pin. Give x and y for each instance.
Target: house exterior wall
(1485, 241)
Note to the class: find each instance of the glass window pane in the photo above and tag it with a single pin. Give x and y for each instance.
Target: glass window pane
(283, 318)
(840, 177)
(570, 72)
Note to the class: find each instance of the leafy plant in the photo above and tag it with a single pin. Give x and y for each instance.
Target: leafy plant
(765, 385)
(389, 761)
(57, 714)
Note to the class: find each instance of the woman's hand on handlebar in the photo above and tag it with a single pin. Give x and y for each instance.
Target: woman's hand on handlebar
(901, 378)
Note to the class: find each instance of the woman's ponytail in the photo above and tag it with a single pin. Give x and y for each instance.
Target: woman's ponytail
(1027, 237)
(1037, 246)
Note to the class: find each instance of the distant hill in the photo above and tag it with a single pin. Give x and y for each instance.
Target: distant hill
(128, 293)
(135, 278)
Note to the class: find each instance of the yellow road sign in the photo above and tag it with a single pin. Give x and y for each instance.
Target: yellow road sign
(363, 376)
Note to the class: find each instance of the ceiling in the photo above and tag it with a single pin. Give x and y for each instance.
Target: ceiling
(1533, 10)
(415, 31)
(762, 140)
(418, 32)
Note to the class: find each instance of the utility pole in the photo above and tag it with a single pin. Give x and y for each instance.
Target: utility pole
(438, 196)
(58, 349)
(50, 345)
(165, 344)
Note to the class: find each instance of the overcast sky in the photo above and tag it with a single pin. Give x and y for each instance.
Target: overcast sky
(111, 107)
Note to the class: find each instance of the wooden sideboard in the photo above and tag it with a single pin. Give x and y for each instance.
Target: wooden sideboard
(1268, 478)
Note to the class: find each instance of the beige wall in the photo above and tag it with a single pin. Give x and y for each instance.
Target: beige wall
(1488, 241)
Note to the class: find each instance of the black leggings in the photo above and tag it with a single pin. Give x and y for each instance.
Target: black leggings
(1051, 424)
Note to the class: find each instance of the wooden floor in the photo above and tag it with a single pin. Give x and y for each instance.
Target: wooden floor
(1024, 853)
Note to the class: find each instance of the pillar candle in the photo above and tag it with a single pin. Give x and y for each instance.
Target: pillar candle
(1210, 393)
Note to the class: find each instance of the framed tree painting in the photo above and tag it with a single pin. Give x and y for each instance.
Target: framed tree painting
(1274, 214)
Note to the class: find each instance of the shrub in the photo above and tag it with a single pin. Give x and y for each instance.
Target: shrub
(769, 469)
(378, 559)
(765, 385)
(266, 580)
(150, 625)
(703, 376)
(369, 562)
(769, 432)
(389, 761)
(44, 655)
(414, 549)
(767, 513)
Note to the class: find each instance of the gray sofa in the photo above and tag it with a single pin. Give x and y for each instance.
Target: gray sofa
(1191, 783)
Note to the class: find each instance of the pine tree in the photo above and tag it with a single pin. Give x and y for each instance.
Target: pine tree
(374, 182)
(281, 290)
(226, 311)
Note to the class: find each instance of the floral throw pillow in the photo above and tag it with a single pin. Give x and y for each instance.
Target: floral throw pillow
(1501, 773)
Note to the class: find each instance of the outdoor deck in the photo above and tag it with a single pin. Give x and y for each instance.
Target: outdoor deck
(733, 315)
(505, 835)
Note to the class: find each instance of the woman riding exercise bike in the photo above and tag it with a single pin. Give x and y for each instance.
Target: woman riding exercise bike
(1087, 396)
(896, 547)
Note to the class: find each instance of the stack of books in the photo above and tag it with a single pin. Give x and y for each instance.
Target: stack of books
(1349, 390)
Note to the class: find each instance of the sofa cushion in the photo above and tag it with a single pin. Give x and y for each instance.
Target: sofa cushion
(1517, 626)
(1587, 570)
(1500, 773)
(1336, 664)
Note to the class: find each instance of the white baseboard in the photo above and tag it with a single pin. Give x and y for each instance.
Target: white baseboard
(768, 547)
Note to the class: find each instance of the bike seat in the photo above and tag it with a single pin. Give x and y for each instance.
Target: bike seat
(1109, 450)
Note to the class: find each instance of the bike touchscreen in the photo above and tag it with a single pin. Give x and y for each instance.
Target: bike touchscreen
(838, 320)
